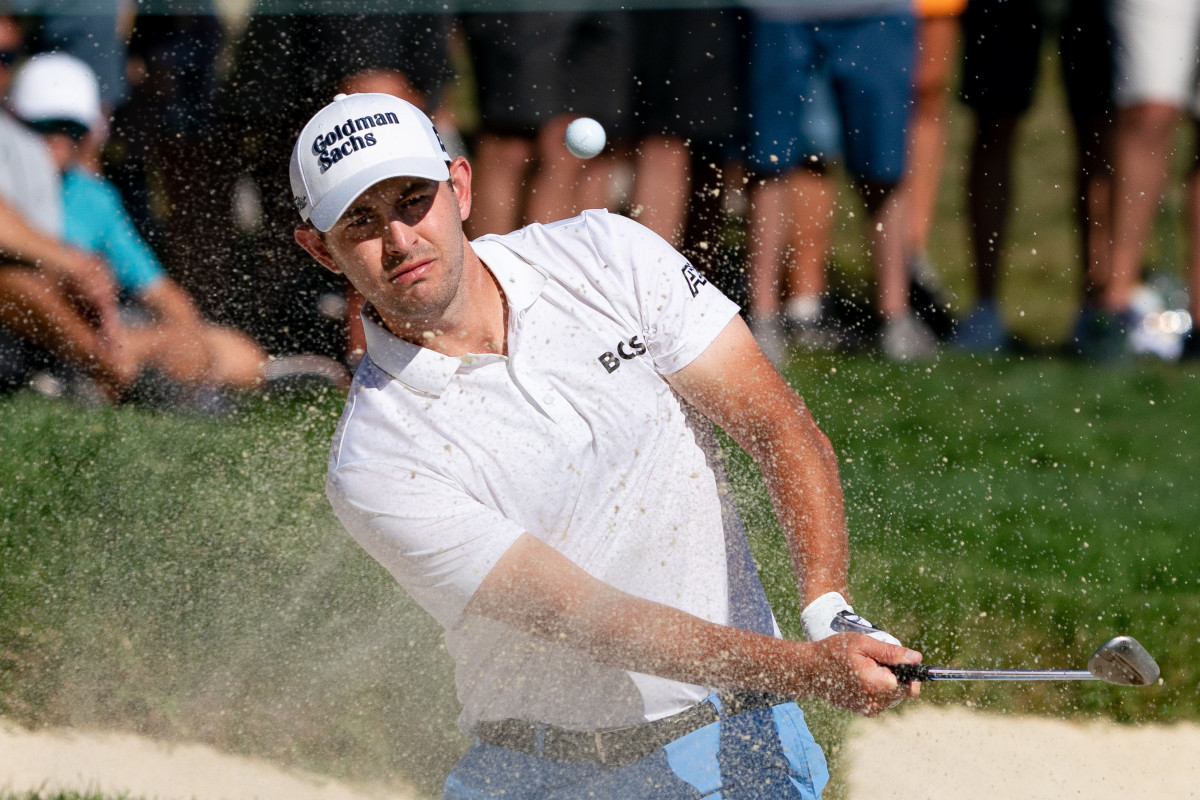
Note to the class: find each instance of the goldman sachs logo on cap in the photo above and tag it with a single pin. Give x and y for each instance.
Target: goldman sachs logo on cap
(344, 140)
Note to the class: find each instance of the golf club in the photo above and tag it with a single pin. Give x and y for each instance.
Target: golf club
(1121, 661)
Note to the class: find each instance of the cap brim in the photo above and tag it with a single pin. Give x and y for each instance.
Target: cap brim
(326, 213)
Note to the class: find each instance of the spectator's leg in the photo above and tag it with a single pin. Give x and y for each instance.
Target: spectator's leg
(555, 187)
(1093, 200)
(1145, 134)
(661, 192)
(1086, 58)
(988, 181)
(34, 307)
(1193, 208)
(813, 202)
(937, 40)
(236, 360)
(498, 183)
(887, 249)
(769, 229)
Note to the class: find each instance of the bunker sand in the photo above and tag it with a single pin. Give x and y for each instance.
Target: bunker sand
(928, 753)
(924, 753)
(123, 764)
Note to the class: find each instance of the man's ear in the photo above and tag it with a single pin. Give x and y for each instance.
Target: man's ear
(460, 179)
(307, 237)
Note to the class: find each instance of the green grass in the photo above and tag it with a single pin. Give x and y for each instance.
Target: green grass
(185, 579)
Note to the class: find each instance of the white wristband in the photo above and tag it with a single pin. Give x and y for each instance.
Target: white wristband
(830, 614)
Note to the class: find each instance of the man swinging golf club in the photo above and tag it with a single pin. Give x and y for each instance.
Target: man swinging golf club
(528, 447)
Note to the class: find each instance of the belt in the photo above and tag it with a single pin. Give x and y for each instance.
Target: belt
(617, 746)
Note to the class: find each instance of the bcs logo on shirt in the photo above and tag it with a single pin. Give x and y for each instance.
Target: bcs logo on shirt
(628, 349)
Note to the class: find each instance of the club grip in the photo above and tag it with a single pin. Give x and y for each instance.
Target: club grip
(908, 673)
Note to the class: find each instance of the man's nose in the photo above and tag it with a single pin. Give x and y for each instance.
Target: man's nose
(398, 237)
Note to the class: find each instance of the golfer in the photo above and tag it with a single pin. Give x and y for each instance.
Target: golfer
(528, 447)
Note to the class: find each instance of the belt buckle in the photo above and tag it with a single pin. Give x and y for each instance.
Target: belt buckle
(599, 739)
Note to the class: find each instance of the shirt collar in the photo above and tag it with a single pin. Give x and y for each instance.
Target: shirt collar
(521, 279)
(428, 372)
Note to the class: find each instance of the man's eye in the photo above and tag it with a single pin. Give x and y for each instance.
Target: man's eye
(416, 200)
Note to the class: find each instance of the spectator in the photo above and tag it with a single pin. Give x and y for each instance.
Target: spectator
(689, 125)
(800, 248)
(536, 72)
(865, 54)
(44, 283)
(687, 115)
(1156, 85)
(57, 95)
(938, 28)
(97, 33)
(1001, 58)
(164, 137)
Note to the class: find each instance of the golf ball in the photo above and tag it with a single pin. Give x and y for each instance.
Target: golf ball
(585, 137)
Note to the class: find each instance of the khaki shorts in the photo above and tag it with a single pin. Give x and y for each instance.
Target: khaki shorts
(1158, 49)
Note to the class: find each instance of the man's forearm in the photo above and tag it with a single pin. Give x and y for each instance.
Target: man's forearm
(800, 470)
(535, 589)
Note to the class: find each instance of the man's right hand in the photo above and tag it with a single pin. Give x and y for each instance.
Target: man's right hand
(852, 675)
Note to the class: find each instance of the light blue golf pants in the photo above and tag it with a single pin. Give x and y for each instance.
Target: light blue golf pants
(766, 754)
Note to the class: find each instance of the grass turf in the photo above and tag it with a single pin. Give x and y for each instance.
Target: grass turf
(184, 578)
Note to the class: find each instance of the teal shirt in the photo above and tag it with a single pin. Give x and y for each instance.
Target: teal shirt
(95, 220)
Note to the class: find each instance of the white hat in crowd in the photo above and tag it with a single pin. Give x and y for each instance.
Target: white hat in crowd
(56, 88)
(355, 142)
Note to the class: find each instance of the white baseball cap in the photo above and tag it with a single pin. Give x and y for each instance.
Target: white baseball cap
(56, 87)
(354, 143)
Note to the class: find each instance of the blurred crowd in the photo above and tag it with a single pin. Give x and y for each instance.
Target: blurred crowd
(146, 220)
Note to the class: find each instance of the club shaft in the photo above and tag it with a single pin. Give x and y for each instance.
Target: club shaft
(950, 674)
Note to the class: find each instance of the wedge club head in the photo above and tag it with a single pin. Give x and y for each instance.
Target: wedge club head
(1121, 660)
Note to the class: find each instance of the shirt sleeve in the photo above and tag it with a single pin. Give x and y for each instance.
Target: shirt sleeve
(435, 540)
(96, 221)
(680, 311)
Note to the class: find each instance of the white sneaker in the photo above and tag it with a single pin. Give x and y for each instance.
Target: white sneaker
(907, 338)
(769, 333)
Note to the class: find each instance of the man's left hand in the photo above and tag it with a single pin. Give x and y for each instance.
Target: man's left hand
(830, 614)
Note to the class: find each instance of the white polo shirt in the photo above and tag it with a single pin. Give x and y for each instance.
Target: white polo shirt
(439, 463)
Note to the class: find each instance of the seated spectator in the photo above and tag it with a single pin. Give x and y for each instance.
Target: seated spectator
(160, 329)
(33, 258)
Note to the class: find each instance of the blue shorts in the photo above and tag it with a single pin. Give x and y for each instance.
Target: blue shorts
(765, 754)
(861, 69)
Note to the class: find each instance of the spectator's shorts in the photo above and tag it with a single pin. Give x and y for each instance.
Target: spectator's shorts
(1158, 49)
(864, 68)
(687, 72)
(1002, 55)
(532, 67)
